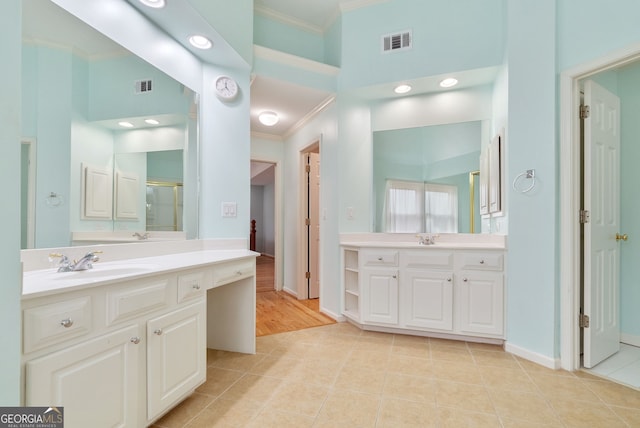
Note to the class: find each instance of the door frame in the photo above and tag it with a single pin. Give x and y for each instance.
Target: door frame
(277, 218)
(570, 190)
(302, 290)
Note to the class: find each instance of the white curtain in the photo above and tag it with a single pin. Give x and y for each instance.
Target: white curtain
(413, 207)
(403, 206)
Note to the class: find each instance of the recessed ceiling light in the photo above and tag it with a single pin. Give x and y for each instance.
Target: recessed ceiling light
(157, 4)
(125, 124)
(449, 82)
(200, 42)
(152, 122)
(268, 118)
(402, 89)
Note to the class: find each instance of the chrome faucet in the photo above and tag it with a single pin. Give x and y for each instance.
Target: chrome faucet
(141, 237)
(426, 238)
(86, 262)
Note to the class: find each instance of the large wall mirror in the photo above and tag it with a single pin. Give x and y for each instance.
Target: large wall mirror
(426, 179)
(109, 142)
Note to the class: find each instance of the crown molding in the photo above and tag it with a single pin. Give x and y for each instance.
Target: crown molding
(294, 61)
(309, 116)
(288, 20)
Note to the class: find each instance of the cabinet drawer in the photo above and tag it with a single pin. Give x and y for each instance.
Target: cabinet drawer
(49, 324)
(380, 258)
(481, 261)
(225, 273)
(136, 299)
(191, 285)
(432, 259)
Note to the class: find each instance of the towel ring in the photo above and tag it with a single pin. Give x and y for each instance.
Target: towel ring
(528, 174)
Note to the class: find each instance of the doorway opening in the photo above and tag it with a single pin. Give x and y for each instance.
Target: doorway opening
(576, 186)
(262, 230)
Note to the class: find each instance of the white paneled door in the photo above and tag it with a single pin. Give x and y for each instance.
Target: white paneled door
(602, 229)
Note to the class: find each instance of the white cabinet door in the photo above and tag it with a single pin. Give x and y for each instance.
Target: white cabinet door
(380, 296)
(176, 356)
(96, 381)
(427, 299)
(480, 305)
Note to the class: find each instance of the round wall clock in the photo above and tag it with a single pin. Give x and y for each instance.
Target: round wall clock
(226, 88)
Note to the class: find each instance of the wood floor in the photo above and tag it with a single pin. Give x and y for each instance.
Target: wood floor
(278, 311)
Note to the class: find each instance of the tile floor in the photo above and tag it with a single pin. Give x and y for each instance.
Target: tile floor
(623, 366)
(338, 376)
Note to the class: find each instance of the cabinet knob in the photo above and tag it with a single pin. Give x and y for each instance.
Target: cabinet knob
(465, 279)
(379, 259)
(238, 272)
(481, 262)
(135, 340)
(66, 323)
(395, 276)
(196, 286)
(158, 331)
(448, 279)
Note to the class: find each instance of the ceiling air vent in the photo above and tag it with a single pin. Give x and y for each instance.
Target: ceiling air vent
(143, 86)
(397, 41)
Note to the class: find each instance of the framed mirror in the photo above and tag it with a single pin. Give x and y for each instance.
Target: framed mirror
(90, 103)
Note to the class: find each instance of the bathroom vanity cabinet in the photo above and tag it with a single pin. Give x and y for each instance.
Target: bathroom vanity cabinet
(427, 290)
(125, 352)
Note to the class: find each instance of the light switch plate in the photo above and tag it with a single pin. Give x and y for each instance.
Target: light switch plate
(229, 209)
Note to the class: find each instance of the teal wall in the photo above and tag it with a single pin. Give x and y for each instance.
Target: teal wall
(447, 36)
(285, 38)
(10, 132)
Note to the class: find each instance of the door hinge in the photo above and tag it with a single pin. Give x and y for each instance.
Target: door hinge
(307, 168)
(584, 321)
(584, 216)
(307, 275)
(307, 222)
(584, 111)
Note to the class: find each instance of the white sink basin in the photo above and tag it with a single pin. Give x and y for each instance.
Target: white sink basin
(98, 272)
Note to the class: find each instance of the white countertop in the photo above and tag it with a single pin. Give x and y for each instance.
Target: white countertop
(445, 241)
(42, 282)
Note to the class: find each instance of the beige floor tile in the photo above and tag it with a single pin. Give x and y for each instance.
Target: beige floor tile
(457, 372)
(374, 343)
(185, 411)
(302, 398)
(225, 413)
(341, 328)
(409, 387)
(615, 394)
(396, 413)
(411, 345)
(266, 344)
(275, 366)
(630, 416)
(252, 387)
(367, 359)
(293, 350)
(519, 423)
(464, 396)
(329, 351)
(449, 354)
(219, 380)
(272, 418)
(485, 347)
(361, 380)
(349, 409)
(456, 418)
(495, 359)
(522, 406)
(317, 371)
(509, 379)
(533, 368)
(232, 360)
(562, 387)
(406, 364)
(437, 343)
(579, 414)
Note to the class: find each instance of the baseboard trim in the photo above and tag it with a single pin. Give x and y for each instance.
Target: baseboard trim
(550, 363)
(333, 315)
(630, 339)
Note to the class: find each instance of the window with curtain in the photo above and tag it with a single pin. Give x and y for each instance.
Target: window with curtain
(414, 207)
